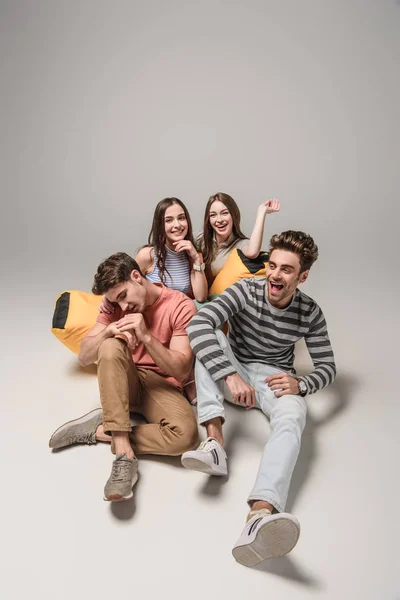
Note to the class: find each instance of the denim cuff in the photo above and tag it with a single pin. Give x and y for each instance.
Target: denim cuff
(212, 415)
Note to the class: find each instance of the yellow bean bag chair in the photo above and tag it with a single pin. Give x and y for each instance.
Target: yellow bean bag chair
(75, 313)
(238, 266)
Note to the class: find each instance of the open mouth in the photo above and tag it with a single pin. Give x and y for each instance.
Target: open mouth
(275, 287)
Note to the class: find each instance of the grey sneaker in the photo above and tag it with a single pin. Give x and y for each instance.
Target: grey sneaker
(78, 431)
(124, 475)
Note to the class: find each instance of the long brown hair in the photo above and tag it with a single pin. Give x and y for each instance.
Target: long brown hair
(157, 237)
(207, 243)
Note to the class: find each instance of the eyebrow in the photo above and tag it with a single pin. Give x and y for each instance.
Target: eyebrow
(283, 266)
(182, 214)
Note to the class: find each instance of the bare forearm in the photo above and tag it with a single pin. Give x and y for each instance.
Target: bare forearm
(256, 238)
(172, 362)
(90, 346)
(199, 286)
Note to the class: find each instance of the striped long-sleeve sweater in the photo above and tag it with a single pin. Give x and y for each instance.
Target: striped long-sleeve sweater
(259, 332)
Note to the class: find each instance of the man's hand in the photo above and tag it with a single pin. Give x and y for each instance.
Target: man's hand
(269, 206)
(112, 330)
(107, 307)
(134, 323)
(242, 392)
(130, 338)
(286, 384)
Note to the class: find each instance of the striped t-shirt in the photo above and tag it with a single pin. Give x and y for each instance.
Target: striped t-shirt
(259, 332)
(178, 266)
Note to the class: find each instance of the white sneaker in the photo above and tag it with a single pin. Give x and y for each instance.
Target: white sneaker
(210, 458)
(266, 535)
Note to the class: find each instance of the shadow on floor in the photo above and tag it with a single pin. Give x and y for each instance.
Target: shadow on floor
(342, 387)
(124, 511)
(172, 461)
(76, 369)
(286, 568)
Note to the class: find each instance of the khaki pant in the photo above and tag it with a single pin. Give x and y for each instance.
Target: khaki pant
(171, 427)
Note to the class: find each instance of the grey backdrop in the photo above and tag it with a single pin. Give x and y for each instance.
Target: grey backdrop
(107, 107)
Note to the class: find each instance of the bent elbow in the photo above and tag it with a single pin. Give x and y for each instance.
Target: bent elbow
(83, 360)
(251, 255)
(187, 371)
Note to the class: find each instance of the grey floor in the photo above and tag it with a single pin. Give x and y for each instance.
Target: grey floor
(107, 108)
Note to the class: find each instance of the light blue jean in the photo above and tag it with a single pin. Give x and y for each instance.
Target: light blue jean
(287, 416)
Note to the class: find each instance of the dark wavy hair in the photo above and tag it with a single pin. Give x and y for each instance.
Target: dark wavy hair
(207, 242)
(157, 237)
(299, 242)
(112, 271)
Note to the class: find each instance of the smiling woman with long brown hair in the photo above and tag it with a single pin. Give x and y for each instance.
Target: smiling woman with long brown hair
(171, 256)
(222, 233)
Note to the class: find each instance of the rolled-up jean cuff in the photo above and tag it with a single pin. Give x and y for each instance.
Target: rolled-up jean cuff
(109, 428)
(213, 415)
(265, 498)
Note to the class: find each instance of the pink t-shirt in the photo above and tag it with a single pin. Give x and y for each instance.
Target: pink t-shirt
(168, 316)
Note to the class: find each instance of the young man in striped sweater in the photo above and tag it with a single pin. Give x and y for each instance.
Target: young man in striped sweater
(253, 367)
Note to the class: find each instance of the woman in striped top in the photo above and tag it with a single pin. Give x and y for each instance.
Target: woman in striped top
(171, 257)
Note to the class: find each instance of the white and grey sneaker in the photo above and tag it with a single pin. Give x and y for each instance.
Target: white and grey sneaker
(210, 458)
(266, 535)
(79, 431)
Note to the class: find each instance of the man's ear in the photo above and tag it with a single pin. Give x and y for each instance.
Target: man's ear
(136, 276)
(304, 275)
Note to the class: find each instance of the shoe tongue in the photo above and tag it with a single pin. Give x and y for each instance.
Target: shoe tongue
(262, 512)
(208, 443)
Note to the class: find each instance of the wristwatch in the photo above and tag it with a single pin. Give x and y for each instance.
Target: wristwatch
(199, 267)
(302, 387)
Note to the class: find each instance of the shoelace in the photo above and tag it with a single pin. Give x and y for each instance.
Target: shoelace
(120, 470)
(85, 438)
(207, 445)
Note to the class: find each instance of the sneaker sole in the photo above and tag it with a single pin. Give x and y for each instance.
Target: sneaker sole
(79, 420)
(118, 497)
(273, 539)
(194, 464)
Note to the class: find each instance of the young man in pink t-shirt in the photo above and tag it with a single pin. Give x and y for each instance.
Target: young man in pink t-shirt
(143, 355)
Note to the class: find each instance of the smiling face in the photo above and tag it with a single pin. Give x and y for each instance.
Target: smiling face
(175, 225)
(220, 220)
(283, 276)
(130, 295)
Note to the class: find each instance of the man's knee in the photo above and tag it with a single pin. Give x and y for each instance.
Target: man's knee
(111, 348)
(183, 437)
(290, 413)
